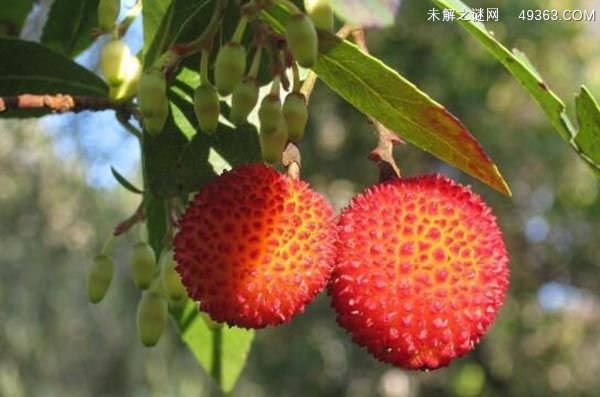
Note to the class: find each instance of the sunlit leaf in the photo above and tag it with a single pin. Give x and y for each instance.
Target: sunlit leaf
(69, 26)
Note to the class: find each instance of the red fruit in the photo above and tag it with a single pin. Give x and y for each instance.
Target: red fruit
(255, 246)
(421, 271)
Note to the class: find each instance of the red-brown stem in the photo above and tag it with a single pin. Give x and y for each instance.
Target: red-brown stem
(383, 154)
(60, 103)
(138, 216)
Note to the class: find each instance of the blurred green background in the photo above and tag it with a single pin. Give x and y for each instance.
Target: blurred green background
(58, 204)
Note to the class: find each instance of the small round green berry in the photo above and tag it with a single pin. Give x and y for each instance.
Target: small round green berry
(142, 265)
(151, 93)
(155, 123)
(114, 58)
(172, 284)
(321, 13)
(245, 97)
(100, 277)
(295, 112)
(270, 114)
(207, 108)
(230, 67)
(302, 40)
(151, 318)
(273, 144)
(108, 11)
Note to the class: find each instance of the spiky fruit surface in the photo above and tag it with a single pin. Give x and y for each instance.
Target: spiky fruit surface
(421, 271)
(255, 246)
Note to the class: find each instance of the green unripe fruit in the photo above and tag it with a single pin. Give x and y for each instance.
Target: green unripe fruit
(302, 40)
(273, 144)
(142, 265)
(152, 95)
(151, 318)
(245, 97)
(128, 88)
(230, 67)
(321, 13)
(155, 123)
(207, 108)
(172, 284)
(100, 277)
(295, 112)
(114, 59)
(108, 11)
(270, 114)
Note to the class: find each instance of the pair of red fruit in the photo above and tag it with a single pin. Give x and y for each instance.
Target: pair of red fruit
(416, 268)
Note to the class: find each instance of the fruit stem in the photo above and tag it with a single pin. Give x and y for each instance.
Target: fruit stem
(297, 85)
(240, 29)
(255, 63)
(109, 245)
(291, 6)
(383, 154)
(275, 87)
(204, 67)
(131, 15)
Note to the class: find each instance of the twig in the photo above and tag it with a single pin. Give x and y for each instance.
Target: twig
(60, 103)
(138, 216)
(123, 119)
(383, 154)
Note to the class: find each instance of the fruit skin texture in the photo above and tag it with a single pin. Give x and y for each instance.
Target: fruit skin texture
(114, 58)
(421, 271)
(295, 111)
(151, 318)
(302, 40)
(230, 66)
(100, 277)
(255, 246)
(207, 108)
(142, 265)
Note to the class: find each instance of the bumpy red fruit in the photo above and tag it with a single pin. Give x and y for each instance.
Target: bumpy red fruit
(421, 271)
(255, 246)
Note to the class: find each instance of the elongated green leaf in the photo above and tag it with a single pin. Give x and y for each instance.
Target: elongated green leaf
(12, 16)
(588, 137)
(380, 92)
(156, 222)
(44, 72)
(124, 182)
(157, 18)
(222, 352)
(367, 13)
(69, 26)
(523, 70)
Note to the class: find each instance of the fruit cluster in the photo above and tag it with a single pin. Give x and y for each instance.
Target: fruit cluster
(416, 268)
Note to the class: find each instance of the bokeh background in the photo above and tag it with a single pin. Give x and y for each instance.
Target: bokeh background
(58, 203)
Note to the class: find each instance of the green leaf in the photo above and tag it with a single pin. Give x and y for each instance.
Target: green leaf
(179, 160)
(519, 66)
(124, 182)
(13, 16)
(45, 72)
(156, 222)
(588, 137)
(222, 352)
(157, 16)
(69, 26)
(380, 92)
(367, 13)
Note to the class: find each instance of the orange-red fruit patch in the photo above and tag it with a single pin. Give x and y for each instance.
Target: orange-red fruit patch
(421, 271)
(255, 246)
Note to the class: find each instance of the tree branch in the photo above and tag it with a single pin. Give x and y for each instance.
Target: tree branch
(383, 154)
(60, 103)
